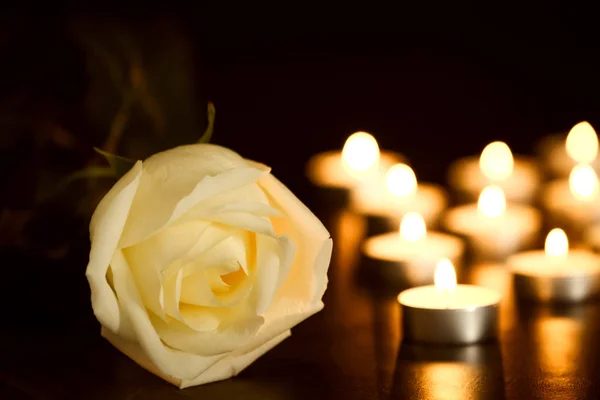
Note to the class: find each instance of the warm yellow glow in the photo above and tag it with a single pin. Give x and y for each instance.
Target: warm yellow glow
(360, 152)
(582, 143)
(583, 182)
(401, 180)
(412, 227)
(496, 161)
(557, 244)
(444, 276)
(492, 202)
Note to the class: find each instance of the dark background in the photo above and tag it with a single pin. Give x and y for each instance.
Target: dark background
(433, 83)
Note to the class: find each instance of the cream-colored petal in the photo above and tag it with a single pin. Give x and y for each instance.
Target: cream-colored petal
(105, 230)
(227, 367)
(168, 361)
(234, 363)
(307, 279)
(172, 294)
(246, 221)
(176, 180)
(195, 290)
(274, 257)
(150, 259)
(231, 335)
(203, 318)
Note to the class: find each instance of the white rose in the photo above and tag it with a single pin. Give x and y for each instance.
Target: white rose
(201, 261)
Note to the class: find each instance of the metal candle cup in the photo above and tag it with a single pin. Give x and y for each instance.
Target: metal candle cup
(556, 275)
(459, 314)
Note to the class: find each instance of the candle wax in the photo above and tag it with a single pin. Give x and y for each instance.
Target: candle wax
(537, 263)
(516, 220)
(375, 199)
(465, 176)
(327, 169)
(435, 245)
(463, 297)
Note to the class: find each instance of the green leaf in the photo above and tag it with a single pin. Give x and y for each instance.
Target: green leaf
(119, 165)
(211, 123)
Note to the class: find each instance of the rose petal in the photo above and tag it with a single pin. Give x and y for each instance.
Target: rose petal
(105, 230)
(203, 318)
(172, 294)
(231, 335)
(313, 244)
(149, 259)
(274, 258)
(168, 361)
(176, 180)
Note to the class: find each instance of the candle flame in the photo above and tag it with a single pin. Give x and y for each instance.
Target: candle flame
(445, 276)
(557, 243)
(361, 152)
(412, 227)
(583, 182)
(492, 202)
(401, 180)
(582, 143)
(496, 161)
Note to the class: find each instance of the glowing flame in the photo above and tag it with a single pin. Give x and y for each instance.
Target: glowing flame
(492, 202)
(496, 161)
(583, 182)
(361, 152)
(444, 276)
(582, 143)
(401, 180)
(557, 244)
(412, 227)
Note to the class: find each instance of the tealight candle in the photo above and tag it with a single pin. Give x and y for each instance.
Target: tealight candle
(494, 230)
(397, 193)
(447, 313)
(415, 251)
(360, 160)
(556, 274)
(517, 176)
(574, 204)
(560, 154)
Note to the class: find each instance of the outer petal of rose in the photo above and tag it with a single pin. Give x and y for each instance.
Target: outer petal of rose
(105, 230)
(176, 180)
(168, 361)
(238, 332)
(226, 367)
(274, 258)
(313, 243)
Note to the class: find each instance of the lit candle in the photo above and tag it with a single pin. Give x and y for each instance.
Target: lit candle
(447, 313)
(561, 153)
(359, 160)
(415, 251)
(574, 203)
(398, 193)
(494, 230)
(556, 274)
(517, 176)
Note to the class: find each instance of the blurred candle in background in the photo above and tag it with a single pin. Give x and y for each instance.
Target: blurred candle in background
(560, 153)
(574, 203)
(359, 161)
(493, 229)
(517, 176)
(396, 193)
(414, 249)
